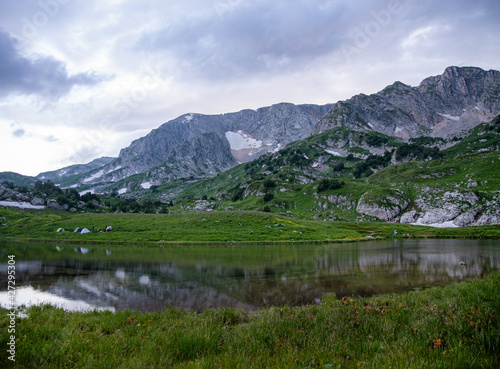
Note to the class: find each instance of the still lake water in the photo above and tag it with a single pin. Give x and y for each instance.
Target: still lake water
(247, 277)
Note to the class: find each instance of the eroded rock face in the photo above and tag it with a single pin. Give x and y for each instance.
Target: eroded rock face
(432, 207)
(462, 209)
(437, 207)
(385, 208)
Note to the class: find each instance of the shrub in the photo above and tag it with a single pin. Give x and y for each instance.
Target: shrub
(238, 195)
(374, 140)
(268, 197)
(269, 183)
(338, 167)
(62, 200)
(329, 184)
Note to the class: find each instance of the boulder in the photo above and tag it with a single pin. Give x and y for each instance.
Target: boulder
(409, 217)
(465, 219)
(386, 208)
(52, 204)
(37, 201)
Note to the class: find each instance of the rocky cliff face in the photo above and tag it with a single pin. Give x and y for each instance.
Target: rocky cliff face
(441, 106)
(208, 154)
(204, 145)
(434, 207)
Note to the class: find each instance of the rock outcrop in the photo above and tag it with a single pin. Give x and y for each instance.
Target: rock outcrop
(432, 208)
(385, 207)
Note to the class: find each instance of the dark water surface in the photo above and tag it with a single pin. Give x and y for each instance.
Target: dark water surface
(248, 277)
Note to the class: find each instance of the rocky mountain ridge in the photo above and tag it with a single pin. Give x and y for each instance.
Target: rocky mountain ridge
(441, 106)
(59, 175)
(199, 146)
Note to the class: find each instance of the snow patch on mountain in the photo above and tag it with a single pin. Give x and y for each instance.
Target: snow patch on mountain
(188, 118)
(334, 153)
(94, 176)
(239, 140)
(450, 117)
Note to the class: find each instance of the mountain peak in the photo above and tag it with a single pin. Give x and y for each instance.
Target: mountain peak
(443, 105)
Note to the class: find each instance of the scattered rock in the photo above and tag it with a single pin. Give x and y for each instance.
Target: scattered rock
(52, 204)
(37, 201)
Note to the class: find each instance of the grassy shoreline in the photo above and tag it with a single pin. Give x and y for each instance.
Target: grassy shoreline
(452, 326)
(215, 228)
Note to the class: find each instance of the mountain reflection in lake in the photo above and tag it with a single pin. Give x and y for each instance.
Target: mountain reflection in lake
(246, 277)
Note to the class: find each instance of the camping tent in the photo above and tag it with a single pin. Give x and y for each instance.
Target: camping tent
(85, 230)
(78, 230)
(60, 230)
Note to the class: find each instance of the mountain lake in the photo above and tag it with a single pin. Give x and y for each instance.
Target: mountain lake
(152, 278)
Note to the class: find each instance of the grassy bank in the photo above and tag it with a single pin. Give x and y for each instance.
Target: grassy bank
(455, 326)
(216, 227)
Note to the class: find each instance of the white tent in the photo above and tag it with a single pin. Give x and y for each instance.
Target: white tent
(85, 230)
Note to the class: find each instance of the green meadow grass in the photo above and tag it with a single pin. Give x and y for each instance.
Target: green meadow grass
(215, 227)
(456, 326)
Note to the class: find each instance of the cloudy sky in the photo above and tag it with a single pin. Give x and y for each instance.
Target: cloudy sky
(80, 79)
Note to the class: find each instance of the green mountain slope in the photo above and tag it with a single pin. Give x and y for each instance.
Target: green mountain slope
(347, 175)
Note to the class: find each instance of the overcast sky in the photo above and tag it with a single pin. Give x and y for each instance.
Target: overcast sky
(80, 79)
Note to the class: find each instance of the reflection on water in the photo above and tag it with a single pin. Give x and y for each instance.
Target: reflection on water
(28, 296)
(247, 277)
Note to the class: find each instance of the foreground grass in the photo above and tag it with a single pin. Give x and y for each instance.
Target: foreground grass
(216, 227)
(455, 326)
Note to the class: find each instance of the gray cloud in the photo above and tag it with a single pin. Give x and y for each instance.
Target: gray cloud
(51, 138)
(18, 132)
(232, 39)
(249, 37)
(40, 75)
